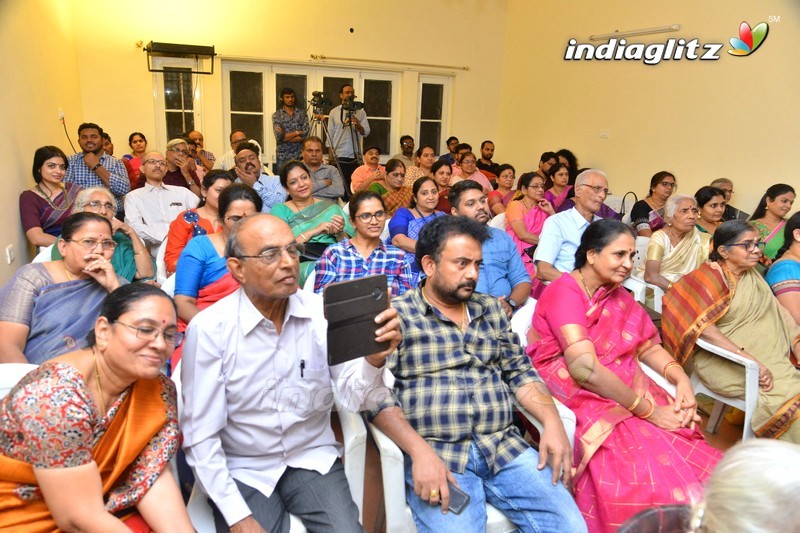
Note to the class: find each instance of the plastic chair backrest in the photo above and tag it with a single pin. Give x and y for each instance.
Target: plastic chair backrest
(641, 251)
(11, 373)
(499, 221)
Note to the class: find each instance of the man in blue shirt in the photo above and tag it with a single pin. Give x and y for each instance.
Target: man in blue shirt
(502, 273)
(91, 167)
(249, 170)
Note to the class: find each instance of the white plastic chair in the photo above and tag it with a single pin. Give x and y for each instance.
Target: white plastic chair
(354, 434)
(45, 254)
(309, 284)
(499, 221)
(169, 286)
(398, 515)
(10, 374)
(161, 266)
(746, 404)
(639, 286)
(385, 232)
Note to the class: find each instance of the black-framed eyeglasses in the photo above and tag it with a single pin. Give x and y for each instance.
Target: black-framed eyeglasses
(91, 244)
(96, 204)
(149, 333)
(669, 184)
(750, 246)
(597, 188)
(366, 217)
(270, 255)
(179, 151)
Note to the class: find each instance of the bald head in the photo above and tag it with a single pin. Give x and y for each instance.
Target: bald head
(153, 167)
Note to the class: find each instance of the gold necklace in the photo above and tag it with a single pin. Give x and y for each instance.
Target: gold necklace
(589, 294)
(463, 310)
(66, 271)
(97, 378)
(52, 204)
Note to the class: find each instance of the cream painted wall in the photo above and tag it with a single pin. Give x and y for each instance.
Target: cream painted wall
(737, 117)
(39, 76)
(117, 89)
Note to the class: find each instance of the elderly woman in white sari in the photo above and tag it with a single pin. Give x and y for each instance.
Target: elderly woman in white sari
(678, 248)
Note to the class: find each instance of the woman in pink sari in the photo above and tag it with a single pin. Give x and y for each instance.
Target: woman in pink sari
(558, 175)
(525, 218)
(635, 446)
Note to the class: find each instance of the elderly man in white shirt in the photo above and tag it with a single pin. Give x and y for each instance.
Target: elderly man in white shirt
(150, 209)
(255, 378)
(561, 233)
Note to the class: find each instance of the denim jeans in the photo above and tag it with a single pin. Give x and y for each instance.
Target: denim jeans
(520, 491)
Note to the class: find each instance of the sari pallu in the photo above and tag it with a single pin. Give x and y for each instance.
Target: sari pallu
(392, 200)
(534, 220)
(51, 332)
(676, 261)
(141, 416)
(557, 200)
(774, 238)
(623, 464)
(748, 314)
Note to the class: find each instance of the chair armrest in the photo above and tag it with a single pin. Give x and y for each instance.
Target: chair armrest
(394, 485)
(354, 435)
(750, 370)
(564, 412)
(658, 379)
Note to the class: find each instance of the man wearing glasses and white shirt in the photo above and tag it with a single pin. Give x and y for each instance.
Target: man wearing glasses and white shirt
(150, 209)
(561, 233)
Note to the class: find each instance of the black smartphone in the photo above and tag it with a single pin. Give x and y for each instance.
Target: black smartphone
(458, 499)
(350, 308)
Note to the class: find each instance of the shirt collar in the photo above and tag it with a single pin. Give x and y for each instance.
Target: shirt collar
(250, 317)
(578, 218)
(348, 243)
(474, 305)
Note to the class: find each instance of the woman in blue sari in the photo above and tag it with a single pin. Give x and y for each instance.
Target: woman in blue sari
(315, 223)
(47, 309)
(406, 223)
(784, 274)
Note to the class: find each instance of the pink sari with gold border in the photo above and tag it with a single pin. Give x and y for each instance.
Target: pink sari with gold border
(623, 464)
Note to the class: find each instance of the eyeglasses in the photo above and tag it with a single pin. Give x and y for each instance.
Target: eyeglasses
(108, 206)
(149, 333)
(597, 189)
(669, 184)
(750, 246)
(467, 161)
(270, 255)
(407, 143)
(366, 217)
(536, 187)
(91, 244)
(157, 162)
(179, 151)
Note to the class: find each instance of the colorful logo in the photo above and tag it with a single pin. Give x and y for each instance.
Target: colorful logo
(749, 39)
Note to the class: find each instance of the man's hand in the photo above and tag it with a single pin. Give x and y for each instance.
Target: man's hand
(554, 448)
(430, 477)
(246, 177)
(388, 332)
(506, 306)
(91, 160)
(248, 525)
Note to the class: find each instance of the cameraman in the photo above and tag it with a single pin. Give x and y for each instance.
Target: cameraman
(346, 128)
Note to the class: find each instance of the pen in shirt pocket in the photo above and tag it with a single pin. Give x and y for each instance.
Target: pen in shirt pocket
(302, 366)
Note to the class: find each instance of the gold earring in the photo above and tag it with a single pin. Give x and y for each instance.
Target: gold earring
(102, 345)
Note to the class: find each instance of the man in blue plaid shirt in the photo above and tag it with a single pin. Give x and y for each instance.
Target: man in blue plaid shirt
(455, 369)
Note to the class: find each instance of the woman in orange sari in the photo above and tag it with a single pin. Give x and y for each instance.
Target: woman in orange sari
(635, 446)
(86, 437)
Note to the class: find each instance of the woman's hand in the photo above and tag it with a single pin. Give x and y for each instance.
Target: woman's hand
(334, 227)
(685, 403)
(665, 417)
(118, 225)
(102, 271)
(547, 207)
(764, 378)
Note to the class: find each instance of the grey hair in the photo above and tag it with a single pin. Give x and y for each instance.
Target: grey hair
(720, 181)
(753, 489)
(672, 204)
(83, 197)
(583, 176)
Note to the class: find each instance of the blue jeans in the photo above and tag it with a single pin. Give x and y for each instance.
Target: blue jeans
(523, 493)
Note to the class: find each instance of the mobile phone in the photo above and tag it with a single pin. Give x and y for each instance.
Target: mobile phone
(458, 499)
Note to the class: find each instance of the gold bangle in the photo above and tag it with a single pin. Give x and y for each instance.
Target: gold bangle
(140, 252)
(649, 412)
(667, 367)
(635, 403)
(669, 286)
(739, 351)
(305, 239)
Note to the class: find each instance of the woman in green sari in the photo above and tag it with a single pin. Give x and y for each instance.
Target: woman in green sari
(727, 303)
(769, 217)
(315, 223)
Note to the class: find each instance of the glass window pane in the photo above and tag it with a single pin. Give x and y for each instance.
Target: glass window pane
(252, 125)
(431, 101)
(377, 98)
(331, 86)
(379, 135)
(247, 90)
(293, 81)
(177, 88)
(430, 133)
(178, 123)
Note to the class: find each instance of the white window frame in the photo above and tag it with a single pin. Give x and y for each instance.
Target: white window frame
(160, 105)
(447, 90)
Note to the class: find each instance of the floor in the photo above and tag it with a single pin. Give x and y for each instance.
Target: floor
(373, 518)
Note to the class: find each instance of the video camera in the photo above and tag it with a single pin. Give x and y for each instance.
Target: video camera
(318, 101)
(350, 104)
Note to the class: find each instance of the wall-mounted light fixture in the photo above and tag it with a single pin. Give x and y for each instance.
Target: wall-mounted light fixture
(198, 53)
(635, 33)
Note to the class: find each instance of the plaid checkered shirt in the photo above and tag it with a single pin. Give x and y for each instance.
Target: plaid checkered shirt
(342, 262)
(454, 387)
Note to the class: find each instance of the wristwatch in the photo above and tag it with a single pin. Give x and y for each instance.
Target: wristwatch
(98, 165)
(512, 303)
